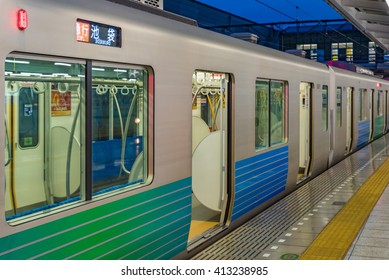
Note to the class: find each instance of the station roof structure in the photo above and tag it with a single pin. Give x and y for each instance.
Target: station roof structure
(371, 17)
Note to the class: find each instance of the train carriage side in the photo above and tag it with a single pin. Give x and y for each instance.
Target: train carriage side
(109, 178)
(307, 110)
(279, 141)
(109, 131)
(360, 110)
(123, 139)
(380, 107)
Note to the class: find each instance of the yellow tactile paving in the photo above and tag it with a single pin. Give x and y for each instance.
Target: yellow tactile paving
(336, 238)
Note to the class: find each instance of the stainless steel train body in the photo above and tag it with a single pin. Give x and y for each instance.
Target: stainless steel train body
(158, 136)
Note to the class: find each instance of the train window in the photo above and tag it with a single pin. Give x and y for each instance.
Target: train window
(270, 109)
(380, 103)
(119, 98)
(363, 104)
(262, 114)
(277, 110)
(339, 106)
(46, 132)
(324, 109)
(28, 113)
(206, 103)
(42, 103)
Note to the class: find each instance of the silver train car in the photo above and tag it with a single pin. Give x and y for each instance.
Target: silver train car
(128, 135)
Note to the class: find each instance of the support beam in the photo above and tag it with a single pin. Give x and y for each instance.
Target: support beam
(380, 35)
(377, 28)
(366, 5)
(372, 18)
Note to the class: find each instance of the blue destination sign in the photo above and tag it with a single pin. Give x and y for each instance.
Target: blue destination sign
(98, 33)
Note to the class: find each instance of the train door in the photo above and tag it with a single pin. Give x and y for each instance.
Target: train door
(42, 153)
(371, 114)
(387, 111)
(305, 154)
(210, 163)
(349, 119)
(379, 113)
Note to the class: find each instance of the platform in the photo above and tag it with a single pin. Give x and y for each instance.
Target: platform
(339, 203)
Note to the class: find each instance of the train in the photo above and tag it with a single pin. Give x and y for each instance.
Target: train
(133, 135)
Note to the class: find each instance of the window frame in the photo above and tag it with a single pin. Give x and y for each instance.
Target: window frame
(86, 184)
(285, 103)
(148, 114)
(363, 104)
(380, 109)
(325, 90)
(339, 107)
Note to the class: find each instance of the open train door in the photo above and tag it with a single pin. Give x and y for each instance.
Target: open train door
(305, 146)
(371, 114)
(350, 119)
(211, 163)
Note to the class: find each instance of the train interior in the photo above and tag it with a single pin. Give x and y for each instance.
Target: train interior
(305, 155)
(209, 151)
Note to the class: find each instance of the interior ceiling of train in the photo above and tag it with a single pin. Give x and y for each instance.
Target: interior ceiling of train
(371, 17)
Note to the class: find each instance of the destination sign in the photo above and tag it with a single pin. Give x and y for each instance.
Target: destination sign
(98, 33)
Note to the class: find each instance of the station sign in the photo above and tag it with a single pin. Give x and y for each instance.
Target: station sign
(364, 71)
(98, 33)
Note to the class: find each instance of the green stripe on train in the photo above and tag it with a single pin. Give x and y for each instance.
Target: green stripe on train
(378, 126)
(138, 226)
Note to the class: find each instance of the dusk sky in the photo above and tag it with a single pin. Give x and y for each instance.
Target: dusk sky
(264, 11)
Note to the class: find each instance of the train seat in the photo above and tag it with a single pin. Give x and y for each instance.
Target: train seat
(107, 158)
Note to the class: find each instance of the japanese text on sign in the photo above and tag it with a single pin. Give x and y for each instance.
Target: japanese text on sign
(98, 33)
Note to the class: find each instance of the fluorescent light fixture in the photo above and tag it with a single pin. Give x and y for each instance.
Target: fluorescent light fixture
(81, 76)
(17, 61)
(62, 64)
(30, 74)
(66, 75)
(125, 71)
(20, 74)
(98, 69)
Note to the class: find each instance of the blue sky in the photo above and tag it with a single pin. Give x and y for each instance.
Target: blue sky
(287, 10)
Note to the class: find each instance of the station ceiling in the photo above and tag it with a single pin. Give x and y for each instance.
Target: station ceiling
(371, 17)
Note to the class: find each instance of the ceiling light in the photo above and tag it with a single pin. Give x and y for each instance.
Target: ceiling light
(62, 64)
(17, 61)
(66, 75)
(30, 74)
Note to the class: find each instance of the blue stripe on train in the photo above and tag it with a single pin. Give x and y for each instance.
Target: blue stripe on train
(363, 133)
(258, 179)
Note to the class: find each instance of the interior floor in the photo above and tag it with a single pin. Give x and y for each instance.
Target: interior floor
(203, 219)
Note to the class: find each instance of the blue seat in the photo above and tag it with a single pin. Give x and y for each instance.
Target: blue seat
(106, 157)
